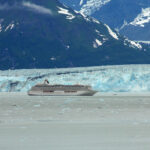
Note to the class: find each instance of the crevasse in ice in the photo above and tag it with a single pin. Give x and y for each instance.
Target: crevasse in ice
(126, 78)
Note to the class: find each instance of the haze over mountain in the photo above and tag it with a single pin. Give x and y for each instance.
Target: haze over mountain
(47, 34)
(130, 17)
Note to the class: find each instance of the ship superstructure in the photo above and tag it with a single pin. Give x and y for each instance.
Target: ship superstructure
(46, 89)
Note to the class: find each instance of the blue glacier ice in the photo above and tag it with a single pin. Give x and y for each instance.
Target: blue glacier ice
(125, 78)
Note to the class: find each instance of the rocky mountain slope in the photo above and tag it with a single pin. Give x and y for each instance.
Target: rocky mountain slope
(130, 17)
(47, 34)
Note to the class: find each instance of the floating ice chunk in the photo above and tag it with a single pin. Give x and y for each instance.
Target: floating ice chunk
(37, 105)
(65, 110)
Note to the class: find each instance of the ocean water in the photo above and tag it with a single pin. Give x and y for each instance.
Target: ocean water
(125, 78)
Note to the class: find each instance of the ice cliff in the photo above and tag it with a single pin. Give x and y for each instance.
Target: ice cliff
(128, 78)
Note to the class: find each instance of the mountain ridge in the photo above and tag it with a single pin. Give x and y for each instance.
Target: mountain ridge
(47, 34)
(119, 14)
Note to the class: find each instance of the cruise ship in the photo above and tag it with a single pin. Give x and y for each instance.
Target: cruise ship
(45, 89)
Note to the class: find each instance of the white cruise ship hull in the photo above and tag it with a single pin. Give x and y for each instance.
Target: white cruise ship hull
(62, 93)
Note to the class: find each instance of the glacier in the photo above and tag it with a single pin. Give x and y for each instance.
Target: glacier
(124, 78)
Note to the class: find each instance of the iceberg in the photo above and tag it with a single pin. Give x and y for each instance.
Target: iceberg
(123, 78)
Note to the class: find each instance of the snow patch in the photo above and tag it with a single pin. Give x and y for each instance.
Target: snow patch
(52, 58)
(95, 20)
(145, 42)
(142, 18)
(113, 34)
(76, 11)
(66, 12)
(135, 44)
(85, 17)
(68, 46)
(124, 24)
(105, 39)
(132, 44)
(97, 43)
(10, 27)
(92, 6)
(98, 32)
(0, 28)
(81, 2)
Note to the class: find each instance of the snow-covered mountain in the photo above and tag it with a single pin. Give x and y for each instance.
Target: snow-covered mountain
(47, 34)
(130, 17)
(139, 28)
(128, 78)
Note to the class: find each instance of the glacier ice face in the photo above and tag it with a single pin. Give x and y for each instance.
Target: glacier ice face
(127, 78)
